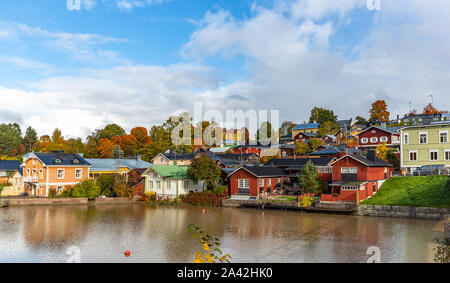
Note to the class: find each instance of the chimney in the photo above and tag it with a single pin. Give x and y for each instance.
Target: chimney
(371, 154)
(383, 125)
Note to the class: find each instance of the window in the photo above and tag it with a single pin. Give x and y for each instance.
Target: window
(34, 161)
(433, 155)
(423, 138)
(349, 188)
(383, 139)
(261, 183)
(58, 161)
(158, 185)
(60, 174)
(150, 185)
(76, 161)
(78, 173)
(28, 171)
(413, 156)
(60, 189)
(373, 139)
(244, 183)
(443, 137)
(447, 155)
(405, 139)
(374, 132)
(168, 185)
(344, 170)
(186, 184)
(41, 173)
(364, 140)
(269, 182)
(353, 170)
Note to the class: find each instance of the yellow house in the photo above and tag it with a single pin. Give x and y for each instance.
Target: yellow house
(114, 166)
(311, 128)
(16, 188)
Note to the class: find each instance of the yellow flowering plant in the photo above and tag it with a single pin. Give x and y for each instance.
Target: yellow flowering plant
(211, 252)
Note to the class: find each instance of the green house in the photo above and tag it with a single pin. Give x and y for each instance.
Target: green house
(425, 145)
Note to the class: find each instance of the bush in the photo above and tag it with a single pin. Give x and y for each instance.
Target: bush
(207, 198)
(106, 184)
(122, 190)
(86, 189)
(219, 190)
(305, 202)
(149, 196)
(52, 193)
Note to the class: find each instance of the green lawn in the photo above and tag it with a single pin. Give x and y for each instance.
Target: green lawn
(430, 191)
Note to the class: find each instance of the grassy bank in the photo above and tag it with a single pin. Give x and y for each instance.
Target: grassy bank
(430, 191)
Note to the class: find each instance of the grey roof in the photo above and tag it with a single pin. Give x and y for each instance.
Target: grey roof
(299, 162)
(10, 166)
(112, 164)
(377, 162)
(179, 156)
(263, 171)
(392, 130)
(345, 123)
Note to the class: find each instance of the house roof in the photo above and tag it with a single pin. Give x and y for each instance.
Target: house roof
(345, 124)
(9, 165)
(299, 162)
(67, 159)
(177, 172)
(100, 165)
(392, 130)
(179, 156)
(306, 126)
(377, 162)
(311, 135)
(262, 171)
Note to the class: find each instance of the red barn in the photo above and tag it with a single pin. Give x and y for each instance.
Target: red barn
(373, 136)
(357, 174)
(255, 180)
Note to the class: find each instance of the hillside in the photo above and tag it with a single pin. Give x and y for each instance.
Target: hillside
(429, 191)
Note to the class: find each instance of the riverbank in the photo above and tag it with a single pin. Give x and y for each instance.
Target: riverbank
(22, 201)
(403, 212)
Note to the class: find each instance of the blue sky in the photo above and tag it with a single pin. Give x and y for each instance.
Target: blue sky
(134, 62)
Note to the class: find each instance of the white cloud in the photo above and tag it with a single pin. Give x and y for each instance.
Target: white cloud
(131, 4)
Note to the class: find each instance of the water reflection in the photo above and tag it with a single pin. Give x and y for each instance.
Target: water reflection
(159, 234)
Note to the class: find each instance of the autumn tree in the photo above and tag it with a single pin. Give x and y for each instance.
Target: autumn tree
(110, 131)
(105, 148)
(204, 169)
(328, 128)
(90, 148)
(141, 135)
(430, 110)
(361, 121)
(379, 112)
(382, 151)
(74, 146)
(322, 115)
(301, 148)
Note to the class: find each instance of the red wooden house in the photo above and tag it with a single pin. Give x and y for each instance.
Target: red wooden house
(255, 180)
(357, 174)
(373, 136)
(304, 137)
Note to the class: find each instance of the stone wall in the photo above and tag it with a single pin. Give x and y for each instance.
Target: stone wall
(41, 201)
(403, 211)
(113, 201)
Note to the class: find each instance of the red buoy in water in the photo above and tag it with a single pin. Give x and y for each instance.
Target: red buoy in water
(127, 253)
(203, 211)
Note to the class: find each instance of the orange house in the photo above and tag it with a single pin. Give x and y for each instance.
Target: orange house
(57, 170)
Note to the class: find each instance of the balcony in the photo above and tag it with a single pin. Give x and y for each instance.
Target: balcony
(30, 179)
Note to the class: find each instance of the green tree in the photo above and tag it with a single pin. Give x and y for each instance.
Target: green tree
(10, 139)
(30, 139)
(286, 128)
(110, 131)
(301, 148)
(328, 128)
(361, 121)
(267, 129)
(86, 189)
(106, 184)
(322, 115)
(75, 146)
(204, 169)
(309, 179)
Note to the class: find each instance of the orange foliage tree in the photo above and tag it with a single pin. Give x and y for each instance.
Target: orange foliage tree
(430, 110)
(379, 112)
(141, 135)
(105, 148)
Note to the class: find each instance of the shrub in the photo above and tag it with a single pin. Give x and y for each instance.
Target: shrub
(86, 189)
(150, 196)
(305, 202)
(106, 184)
(204, 198)
(52, 193)
(122, 190)
(67, 193)
(219, 190)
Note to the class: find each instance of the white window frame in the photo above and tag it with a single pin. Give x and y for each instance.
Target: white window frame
(158, 185)
(59, 189)
(446, 136)
(426, 137)
(345, 170)
(243, 183)
(81, 173)
(186, 184)
(413, 151)
(28, 172)
(261, 183)
(373, 139)
(384, 139)
(446, 151)
(34, 161)
(41, 173)
(364, 140)
(150, 185)
(63, 174)
(353, 170)
(406, 139)
(437, 154)
(168, 185)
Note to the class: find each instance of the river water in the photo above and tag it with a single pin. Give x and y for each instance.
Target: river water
(159, 234)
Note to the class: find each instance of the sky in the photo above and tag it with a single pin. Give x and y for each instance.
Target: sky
(135, 62)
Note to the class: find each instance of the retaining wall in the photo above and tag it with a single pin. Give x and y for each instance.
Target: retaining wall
(113, 201)
(41, 201)
(403, 211)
